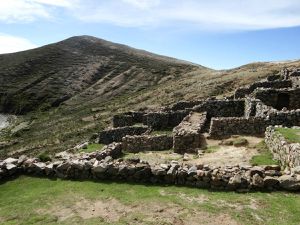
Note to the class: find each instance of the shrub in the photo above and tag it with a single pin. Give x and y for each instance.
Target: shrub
(44, 157)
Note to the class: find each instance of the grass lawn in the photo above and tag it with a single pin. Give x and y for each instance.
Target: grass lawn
(28, 200)
(291, 135)
(265, 157)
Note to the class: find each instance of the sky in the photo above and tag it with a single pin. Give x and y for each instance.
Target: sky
(219, 34)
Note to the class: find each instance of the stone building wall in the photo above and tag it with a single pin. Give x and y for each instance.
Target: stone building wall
(287, 154)
(222, 108)
(227, 126)
(139, 143)
(285, 118)
(127, 119)
(273, 97)
(182, 105)
(164, 120)
(243, 91)
(187, 135)
(262, 110)
(116, 134)
(250, 107)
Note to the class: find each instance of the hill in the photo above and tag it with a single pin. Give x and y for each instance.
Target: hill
(47, 76)
(67, 91)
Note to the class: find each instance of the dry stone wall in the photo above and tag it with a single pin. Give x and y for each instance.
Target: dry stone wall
(273, 97)
(222, 108)
(242, 92)
(187, 135)
(127, 119)
(227, 126)
(285, 118)
(116, 134)
(87, 167)
(139, 143)
(164, 120)
(288, 154)
(182, 105)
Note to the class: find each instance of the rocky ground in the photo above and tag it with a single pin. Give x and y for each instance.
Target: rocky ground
(218, 153)
(3, 121)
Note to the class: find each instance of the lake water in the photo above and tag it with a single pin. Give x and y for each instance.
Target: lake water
(4, 121)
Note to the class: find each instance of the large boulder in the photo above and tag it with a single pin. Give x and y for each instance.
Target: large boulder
(289, 182)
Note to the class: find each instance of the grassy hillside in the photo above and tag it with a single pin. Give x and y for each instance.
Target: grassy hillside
(70, 90)
(52, 74)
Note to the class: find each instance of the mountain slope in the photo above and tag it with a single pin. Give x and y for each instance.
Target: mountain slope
(70, 90)
(52, 74)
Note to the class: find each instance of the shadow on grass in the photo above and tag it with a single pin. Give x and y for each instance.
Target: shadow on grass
(108, 181)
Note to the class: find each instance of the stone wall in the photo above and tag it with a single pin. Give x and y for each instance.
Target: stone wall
(127, 119)
(222, 108)
(227, 126)
(250, 107)
(139, 143)
(187, 135)
(182, 105)
(242, 92)
(164, 120)
(287, 154)
(87, 167)
(285, 118)
(272, 97)
(116, 134)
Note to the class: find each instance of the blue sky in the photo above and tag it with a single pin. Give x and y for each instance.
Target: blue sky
(217, 33)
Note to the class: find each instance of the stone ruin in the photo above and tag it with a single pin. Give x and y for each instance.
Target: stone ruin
(252, 110)
(269, 102)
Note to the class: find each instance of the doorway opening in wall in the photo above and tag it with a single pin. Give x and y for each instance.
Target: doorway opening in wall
(283, 101)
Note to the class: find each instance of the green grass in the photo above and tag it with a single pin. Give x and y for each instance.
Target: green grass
(92, 148)
(265, 157)
(28, 200)
(211, 149)
(290, 134)
(161, 132)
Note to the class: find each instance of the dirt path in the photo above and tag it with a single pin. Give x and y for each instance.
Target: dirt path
(113, 211)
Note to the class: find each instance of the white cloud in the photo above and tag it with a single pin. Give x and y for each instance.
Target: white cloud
(23, 11)
(196, 14)
(9, 43)
(199, 14)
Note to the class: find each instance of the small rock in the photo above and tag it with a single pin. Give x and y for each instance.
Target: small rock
(270, 181)
(272, 167)
(11, 161)
(257, 180)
